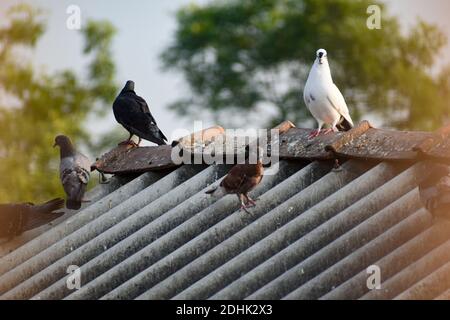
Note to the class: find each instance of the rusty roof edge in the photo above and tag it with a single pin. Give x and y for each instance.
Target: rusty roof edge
(386, 148)
(348, 136)
(285, 126)
(418, 146)
(125, 159)
(427, 149)
(209, 136)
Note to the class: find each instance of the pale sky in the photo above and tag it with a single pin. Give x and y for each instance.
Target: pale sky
(144, 30)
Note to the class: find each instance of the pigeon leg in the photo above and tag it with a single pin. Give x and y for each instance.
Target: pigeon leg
(251, 201)
(129, 141)
(316, 132)
(126, 141)
(334, 124)
(327, 131)
(248, 203)
(243, 205)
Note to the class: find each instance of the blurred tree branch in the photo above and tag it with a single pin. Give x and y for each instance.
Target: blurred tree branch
(240, 54)
(35, 106)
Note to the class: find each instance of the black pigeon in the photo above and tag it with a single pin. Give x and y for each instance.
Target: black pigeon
(132, 112)
(20, 217)
(74, 172)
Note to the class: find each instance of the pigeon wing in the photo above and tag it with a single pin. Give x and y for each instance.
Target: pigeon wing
(250, 183)
(144, 107)
(337, 100)
(143, 127)
(73, 181)
(132, 112)
(125, 109)
(84, 163)
(75, 175)
(234, 180)
(242, 178)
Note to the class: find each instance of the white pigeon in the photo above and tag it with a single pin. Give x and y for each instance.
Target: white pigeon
(323, 98)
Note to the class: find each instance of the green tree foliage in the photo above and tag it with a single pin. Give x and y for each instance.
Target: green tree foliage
(35, 106)
(238, 55)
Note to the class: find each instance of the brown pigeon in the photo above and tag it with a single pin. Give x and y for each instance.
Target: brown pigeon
(74, 172)
(241, 179)
(16, 218)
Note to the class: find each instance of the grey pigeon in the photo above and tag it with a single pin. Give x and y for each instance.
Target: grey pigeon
(323, 98)
(16, 218)
(132, 112)
(74, 172)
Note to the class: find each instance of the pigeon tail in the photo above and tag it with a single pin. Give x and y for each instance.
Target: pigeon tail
(73, 204)
(344, 125)
(162, 138)
(216, 191)
(75, 195)
(211, 191)
(161, 142)
(155, 135)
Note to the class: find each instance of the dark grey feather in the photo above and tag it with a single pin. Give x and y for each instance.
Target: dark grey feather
(20, 217)
(133, 113)
(74, 173)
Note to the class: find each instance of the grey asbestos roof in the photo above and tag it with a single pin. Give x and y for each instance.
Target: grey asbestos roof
(312, 235)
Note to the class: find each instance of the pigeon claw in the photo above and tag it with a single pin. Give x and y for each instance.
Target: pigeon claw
(243, 207)
(129, 143)
(251, 202)
(314, 134)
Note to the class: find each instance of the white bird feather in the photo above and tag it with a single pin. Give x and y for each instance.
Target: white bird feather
(322, 97)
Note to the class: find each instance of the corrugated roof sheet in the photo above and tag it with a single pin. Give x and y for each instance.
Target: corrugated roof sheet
(312, 235)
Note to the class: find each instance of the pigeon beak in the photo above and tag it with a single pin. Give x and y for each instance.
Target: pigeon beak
(54, 145)
(320, 60)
